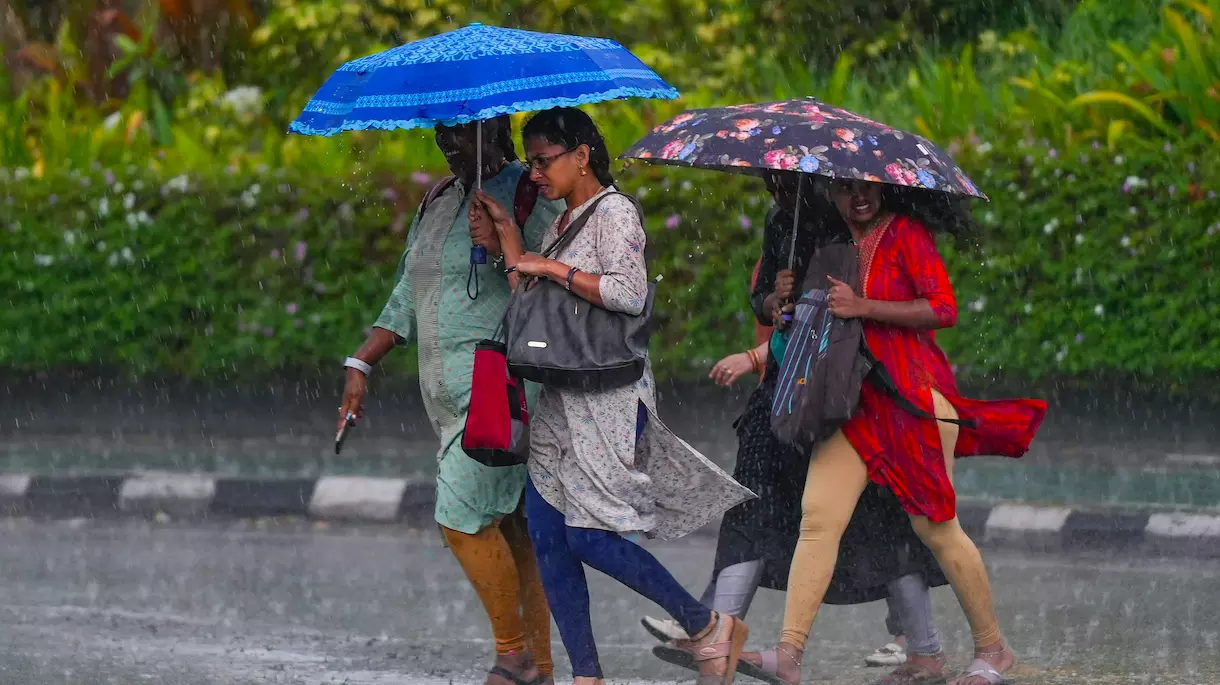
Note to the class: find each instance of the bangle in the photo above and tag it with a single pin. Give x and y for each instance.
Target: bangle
(359, 365)
(755, 360)
(571, 274)
(510, 270)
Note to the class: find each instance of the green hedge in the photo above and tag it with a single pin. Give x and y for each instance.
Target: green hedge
(240, 274)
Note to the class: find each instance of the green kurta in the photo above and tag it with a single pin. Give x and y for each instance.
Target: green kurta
(429, 304)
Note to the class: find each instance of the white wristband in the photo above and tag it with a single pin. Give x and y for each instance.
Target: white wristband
(359, 365)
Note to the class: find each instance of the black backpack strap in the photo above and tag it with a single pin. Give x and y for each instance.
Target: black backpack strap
(880, 376)
(435, 192)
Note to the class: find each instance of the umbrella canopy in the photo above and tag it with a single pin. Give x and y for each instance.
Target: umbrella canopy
(802, 135)
(472, 74)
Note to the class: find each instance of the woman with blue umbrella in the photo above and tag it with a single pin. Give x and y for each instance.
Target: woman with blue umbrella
(447, 295)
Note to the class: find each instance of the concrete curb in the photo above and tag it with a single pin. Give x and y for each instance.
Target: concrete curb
(410, 501)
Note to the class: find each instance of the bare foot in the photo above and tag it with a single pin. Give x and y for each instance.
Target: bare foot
(998, 658)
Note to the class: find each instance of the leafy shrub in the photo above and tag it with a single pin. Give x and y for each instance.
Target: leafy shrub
(1091, 263)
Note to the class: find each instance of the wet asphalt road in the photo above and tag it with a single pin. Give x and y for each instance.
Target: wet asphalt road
(131, 602)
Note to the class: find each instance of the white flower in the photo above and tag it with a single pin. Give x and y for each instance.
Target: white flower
(113, 259)
(978, 305)
(687, 185)
(254, 189)
(1061, 355)
(1050, 226)
(1120, 159)
(133, 220)
(112, 121)
(983, 148)
(1080, 239)
(244, 100)
(129, 201)
(144, 217)
(1021, 195)
(44, 259)
(1135, 182)
(14, 227)
(1126, 241)
(70, 237)
(137, 186)
(1029, 308)
(1099, 310)
(247, 199)
(642, 192)
(1079, 275)
(81, 216)
(1133, 211)
(178, 183)
(103, 206)
(101, 246)
(127, 255)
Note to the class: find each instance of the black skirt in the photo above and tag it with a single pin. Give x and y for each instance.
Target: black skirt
(878, 546)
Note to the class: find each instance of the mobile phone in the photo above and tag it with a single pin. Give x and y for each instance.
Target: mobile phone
(348, 422)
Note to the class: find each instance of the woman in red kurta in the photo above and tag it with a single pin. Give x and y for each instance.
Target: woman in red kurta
(904, 296)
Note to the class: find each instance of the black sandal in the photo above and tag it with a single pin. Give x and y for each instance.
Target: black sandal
(513, 677)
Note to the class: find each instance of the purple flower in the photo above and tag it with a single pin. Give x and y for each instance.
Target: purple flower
(1080, 338)
(1126, 187)
(1168, 147)
(1173, 190)
(1096, 145)
(110, 179)
(673, 221)
(1029, 159)
(291, 308)
(275, 254)
(390, 194)
(302, 214)
(268, 332)
(1053, 153)
(302, 250)
(421, 178)
(745, 222)
(1211, 194)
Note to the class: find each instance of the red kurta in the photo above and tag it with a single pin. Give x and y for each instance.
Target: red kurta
(900, 263)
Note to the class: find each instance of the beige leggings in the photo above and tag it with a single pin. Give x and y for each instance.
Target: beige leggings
(837, 477)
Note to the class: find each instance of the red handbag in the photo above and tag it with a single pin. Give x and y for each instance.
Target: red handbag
(498, 422)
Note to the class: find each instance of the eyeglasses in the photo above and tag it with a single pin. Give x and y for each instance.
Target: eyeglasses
(541, 162)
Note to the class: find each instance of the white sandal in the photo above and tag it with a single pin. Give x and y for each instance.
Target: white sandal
(891, 654)
(981, 669)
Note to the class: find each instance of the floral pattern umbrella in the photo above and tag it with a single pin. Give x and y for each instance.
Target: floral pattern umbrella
(802, 135)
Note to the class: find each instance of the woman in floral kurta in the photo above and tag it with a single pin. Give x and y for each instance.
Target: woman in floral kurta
(602, 464)
(478, 507)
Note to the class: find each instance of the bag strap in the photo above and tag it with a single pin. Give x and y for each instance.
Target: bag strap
(562, 240)
(525, 199)
(435, 192)
(880, 376)
(574, 227)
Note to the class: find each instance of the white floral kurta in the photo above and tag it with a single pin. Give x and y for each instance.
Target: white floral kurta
(584, 459)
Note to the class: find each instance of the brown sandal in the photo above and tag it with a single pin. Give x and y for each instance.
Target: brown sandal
(724, 640)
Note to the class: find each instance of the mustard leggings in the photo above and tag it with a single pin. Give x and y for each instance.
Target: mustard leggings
(499, 561)
(837, 476)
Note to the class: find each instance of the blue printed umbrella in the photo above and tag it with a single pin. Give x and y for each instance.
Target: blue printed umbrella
(472, 74)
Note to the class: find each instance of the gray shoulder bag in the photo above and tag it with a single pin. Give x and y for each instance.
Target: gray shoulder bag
(561, 340)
